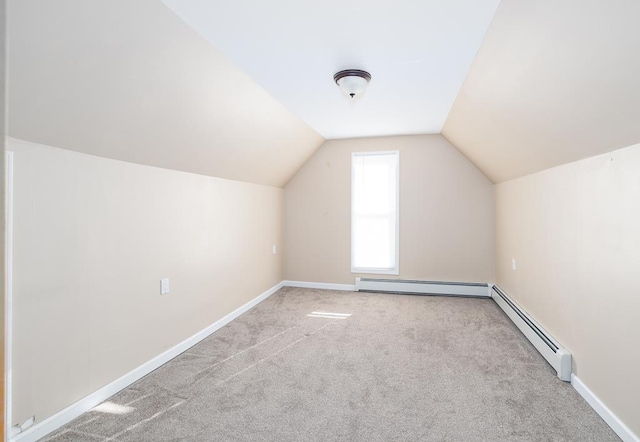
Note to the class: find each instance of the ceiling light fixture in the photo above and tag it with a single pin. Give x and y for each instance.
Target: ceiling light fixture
(353, 82)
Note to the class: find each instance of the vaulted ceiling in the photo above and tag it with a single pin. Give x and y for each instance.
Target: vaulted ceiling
(553, 82)
(418, 53)
(243, 90)
(130, 80)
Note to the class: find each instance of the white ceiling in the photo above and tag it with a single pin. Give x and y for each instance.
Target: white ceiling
(418, 53)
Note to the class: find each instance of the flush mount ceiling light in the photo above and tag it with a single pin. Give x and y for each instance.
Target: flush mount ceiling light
(353, 82)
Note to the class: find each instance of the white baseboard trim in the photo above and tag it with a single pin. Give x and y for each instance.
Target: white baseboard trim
(320, 285)
(52, 423)
(605, 413)
(85, 404)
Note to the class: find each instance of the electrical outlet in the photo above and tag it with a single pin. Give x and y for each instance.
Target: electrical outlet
(513, 264)
(275, 249)
(164, 286)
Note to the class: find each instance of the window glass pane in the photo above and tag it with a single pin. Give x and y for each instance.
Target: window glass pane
(374, 211)
(376, 253)
(372, 188)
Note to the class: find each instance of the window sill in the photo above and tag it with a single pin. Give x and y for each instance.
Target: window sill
(369, 271)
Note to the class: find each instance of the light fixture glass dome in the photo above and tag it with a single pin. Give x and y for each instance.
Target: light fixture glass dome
(353, 82)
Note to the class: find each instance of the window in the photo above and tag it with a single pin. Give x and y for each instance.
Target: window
(374, 212)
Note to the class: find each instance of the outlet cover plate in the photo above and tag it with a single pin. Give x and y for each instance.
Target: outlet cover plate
(164, 286)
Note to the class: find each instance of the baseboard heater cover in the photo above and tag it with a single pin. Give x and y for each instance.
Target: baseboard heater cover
(412, 287)
(558, 357)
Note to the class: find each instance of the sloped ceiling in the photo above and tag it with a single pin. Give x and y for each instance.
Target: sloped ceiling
(553, 82)
(130, 80)
(418, 52)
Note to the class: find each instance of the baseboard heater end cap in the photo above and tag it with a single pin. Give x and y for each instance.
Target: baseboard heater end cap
(565, 369)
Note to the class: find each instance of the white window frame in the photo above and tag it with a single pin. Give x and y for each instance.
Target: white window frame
(372, 270)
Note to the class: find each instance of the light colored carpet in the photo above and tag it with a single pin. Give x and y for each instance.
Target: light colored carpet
(402, 368)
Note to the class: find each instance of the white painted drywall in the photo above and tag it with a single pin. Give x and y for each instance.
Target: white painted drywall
(93, 238)
(446, 213)
(574, 232)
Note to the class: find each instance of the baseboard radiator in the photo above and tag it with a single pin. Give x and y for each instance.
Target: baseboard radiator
(423, 287)
(558, 357)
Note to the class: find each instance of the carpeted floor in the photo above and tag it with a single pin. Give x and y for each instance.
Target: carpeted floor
(401, 368)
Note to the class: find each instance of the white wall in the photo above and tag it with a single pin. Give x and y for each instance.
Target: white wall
(94, 236)
(446, 213)
(574, 231)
